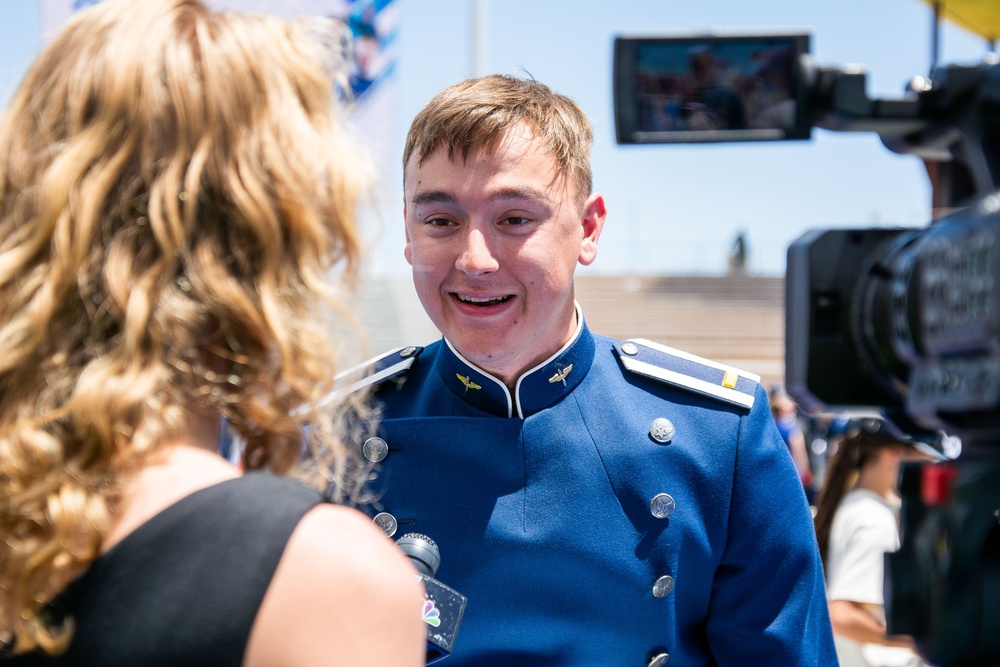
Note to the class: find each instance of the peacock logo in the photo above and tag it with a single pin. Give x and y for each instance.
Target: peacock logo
(431, 615)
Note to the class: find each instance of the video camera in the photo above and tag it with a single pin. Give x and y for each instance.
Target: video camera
(904, 321)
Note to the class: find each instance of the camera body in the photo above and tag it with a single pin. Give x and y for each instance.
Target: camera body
(903, 321)
(907, 321)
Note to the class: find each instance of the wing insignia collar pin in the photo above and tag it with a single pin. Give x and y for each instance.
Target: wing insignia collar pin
(467, 381)
(561, 375)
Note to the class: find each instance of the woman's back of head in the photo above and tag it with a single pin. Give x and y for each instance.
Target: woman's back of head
(174, 191)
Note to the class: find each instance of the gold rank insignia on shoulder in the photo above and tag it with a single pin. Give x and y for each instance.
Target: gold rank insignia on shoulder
(730, 379)
(467, 381)
(561, 375)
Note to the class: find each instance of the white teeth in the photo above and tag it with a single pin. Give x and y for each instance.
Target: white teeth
(475, 299)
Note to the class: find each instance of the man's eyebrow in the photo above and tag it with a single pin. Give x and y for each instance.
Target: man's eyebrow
(530, 193)
(504, 194)
(433, 197)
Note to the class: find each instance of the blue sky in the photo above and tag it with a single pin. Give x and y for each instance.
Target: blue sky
(672, 209)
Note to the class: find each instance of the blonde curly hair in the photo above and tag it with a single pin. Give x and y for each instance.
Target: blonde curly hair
(175, 191)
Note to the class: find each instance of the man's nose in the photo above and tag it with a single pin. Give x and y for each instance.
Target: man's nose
(477, 255)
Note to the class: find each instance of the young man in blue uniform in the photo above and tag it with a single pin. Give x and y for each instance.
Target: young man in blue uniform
(598, 502)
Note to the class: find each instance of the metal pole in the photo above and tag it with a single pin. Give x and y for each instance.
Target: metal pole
(935, 36)
(480, 21)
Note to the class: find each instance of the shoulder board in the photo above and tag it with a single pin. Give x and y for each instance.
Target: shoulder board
(377, 370)
(680, 369)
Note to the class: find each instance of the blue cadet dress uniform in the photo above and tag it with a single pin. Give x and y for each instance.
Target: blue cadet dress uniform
(628, 505)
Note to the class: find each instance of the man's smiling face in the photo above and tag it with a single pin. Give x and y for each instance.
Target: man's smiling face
(494, 241)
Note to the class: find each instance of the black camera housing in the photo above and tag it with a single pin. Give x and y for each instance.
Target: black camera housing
(909, 320)
(903, 320)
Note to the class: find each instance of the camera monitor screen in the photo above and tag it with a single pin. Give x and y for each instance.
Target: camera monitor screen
(710, 88)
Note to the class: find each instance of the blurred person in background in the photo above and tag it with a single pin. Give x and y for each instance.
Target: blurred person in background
(175, 188)
(857, 523)
(786, 416)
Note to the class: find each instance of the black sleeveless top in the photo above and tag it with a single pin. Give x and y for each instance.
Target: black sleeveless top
(184, 587)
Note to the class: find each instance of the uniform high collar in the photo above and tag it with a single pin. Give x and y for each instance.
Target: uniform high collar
(540, 387)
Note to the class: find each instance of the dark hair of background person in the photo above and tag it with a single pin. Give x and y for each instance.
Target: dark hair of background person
(854, 451)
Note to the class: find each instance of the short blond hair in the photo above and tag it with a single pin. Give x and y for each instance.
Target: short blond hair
(479, 113)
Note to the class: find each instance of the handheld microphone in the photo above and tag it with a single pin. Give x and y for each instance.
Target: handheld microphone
(443, 606)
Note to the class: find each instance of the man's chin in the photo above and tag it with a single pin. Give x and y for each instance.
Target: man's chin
(481, 351)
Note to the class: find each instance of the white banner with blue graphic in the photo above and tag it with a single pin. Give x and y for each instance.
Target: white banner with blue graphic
(375, 26)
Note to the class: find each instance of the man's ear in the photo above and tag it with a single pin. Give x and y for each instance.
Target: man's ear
(406, 249)
(594, 213)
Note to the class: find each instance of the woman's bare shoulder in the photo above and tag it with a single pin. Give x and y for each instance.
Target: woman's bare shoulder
(344, 593)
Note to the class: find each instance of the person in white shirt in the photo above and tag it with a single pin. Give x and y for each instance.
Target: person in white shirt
(856, 524)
